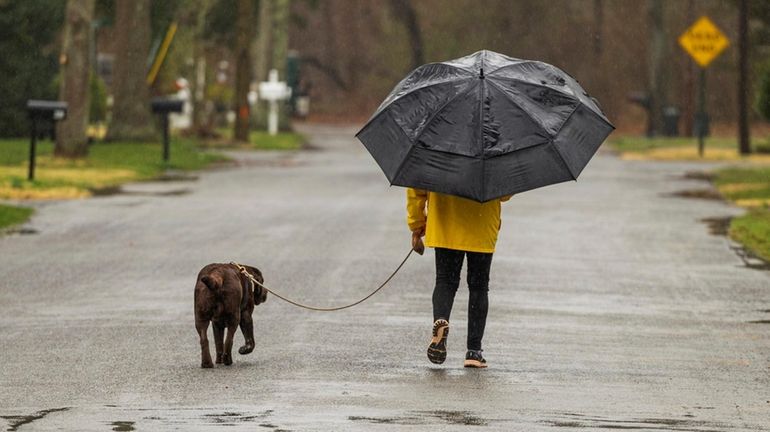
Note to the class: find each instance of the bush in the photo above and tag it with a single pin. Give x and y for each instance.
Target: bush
(28, 31)
(97, 110)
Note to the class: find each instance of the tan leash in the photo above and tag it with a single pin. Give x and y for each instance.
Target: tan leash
(321, 309)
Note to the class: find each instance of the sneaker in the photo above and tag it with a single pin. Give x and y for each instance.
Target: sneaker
(474, 359)
(437, 347)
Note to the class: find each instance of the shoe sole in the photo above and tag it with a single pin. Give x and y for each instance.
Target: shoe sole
(474, 364)
(437, 347)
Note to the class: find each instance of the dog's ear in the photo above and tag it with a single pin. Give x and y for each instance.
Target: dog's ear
(260, 293)
(256, 273)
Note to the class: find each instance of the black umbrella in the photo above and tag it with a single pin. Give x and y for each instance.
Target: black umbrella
(484, 126)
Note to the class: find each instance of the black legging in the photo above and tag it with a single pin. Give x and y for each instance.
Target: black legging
(449, 262)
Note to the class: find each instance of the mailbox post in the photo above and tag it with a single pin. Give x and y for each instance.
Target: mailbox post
(41, 110)
(164, 107)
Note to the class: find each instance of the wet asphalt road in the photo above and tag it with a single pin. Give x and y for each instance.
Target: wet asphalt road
(612, 307)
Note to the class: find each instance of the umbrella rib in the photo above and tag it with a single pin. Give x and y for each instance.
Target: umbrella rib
(568, 95)
(520, 62)
(438, 111)
(561, 156)
(569, 169)
(417, 138)
(542, 128)
(378, 113)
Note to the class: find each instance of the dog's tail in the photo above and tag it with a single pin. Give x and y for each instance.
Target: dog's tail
(212, 282)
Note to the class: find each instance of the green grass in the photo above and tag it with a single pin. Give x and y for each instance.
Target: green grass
(641, 144)
(744, 183)
(748, 187)
(261, 140)
(283, 141)
(107, 164)
(11, 215)
(753, 231)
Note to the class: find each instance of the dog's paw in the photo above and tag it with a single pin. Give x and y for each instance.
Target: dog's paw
(227, 359)
(219, 358)
(246, 349)
(207, 365)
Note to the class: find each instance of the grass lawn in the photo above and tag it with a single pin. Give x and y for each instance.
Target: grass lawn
(108, 164)
(682, 148)
(11, 215)
(753, 231)
(261, 140)
(749, 187)
(283, 141)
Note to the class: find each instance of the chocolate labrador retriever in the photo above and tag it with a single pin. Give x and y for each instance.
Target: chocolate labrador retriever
(226, 298)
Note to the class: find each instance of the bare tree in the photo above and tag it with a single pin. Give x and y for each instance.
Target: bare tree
(71, 140)
(198, 84)
(744, 145)
(658, 53)
(131, 117)
(403, 11)
(280, 38)
(244, 35)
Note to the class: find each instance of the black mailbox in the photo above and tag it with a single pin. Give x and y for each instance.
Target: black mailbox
(163, 107)
(42, 110)
(47, 110)
(166, 105)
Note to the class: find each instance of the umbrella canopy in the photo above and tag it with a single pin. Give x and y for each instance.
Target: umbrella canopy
(484, 126)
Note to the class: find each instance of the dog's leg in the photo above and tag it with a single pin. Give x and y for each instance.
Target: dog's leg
(203, 327)
(219, 334)
(228, 355)
(247, 328)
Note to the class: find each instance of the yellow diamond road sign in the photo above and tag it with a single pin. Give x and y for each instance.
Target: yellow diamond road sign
(703, 41)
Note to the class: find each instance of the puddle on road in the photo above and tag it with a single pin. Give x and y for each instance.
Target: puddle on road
(122, 426)
(413, 418)
(688, 424)
(718, 225)
(705, 193)
(699, 175)
(21, 231)
(118, 190)
(14, 422)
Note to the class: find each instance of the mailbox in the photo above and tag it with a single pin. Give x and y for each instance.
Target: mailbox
(42, 110)
(166, 105)
(163, 107)
(47, 110)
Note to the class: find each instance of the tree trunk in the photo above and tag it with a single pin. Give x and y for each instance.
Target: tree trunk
(280, 9)
(598, 28)
(744, 146)
(688, 103)
(658, 52)
(198, 83)
(131, 116)
(403, 10)
(261, 51)
(244, 35)
(71, 140)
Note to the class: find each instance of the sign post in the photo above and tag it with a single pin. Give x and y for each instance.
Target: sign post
(704, 42)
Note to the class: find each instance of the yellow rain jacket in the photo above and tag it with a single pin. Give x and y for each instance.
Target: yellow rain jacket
(452, 222)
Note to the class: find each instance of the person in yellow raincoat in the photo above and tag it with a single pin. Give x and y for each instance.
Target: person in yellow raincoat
(456, 228)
